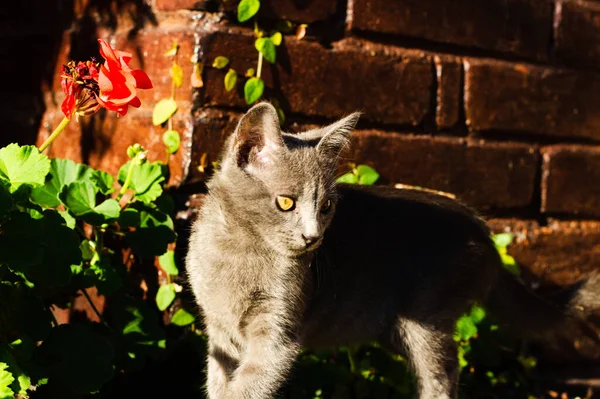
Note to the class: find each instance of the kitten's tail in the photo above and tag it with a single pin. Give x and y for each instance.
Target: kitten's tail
(531, 315)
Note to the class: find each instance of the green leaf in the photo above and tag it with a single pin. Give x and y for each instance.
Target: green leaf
(87, 250)
(465, 328)
(477, 314)
(80, 199)
(177, 75)
(182, 318)
(349, 178)
(145, 181)
(63, 172)
(167, 263)
(276, 38)
(82, 360)
(154, 234)
(267, 48)
(220, 62)
(247, 9)
(165, 296)
(69, 220)
(163, 110)
(129, 218)
(510, 264)
(23, 165)
(366, 174)
(230, 79)
(6, 379)
(253, 90)
(502, 240)
(171, 140)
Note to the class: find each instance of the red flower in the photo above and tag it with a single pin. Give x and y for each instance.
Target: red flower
(80, 84)
(118, 82)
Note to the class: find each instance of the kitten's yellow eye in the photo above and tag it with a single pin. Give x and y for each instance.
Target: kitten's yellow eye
(326, 206)
(285, 203)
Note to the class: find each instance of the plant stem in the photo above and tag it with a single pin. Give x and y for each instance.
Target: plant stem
(61, 126)
(259, 66)
(94, 308)
(127, 179)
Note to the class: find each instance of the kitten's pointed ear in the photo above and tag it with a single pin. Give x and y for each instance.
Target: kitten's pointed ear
(337, 135)
(257, 136)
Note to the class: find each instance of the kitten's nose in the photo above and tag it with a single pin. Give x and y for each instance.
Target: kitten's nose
(310, 239)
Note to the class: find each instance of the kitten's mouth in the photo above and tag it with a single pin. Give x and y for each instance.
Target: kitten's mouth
(313, 246)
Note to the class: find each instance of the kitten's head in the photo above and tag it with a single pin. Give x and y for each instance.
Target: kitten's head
(279, 185)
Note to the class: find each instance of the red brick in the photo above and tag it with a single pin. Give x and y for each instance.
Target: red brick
(449, 82)
(520, 27)
(576, 32)
(298, 11)
(515, 97)
(561, 253)
(102, 140)
(570, 180)
(498, 175)
(388, 84)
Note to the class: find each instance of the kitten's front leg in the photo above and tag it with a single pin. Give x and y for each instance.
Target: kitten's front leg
(269, 356)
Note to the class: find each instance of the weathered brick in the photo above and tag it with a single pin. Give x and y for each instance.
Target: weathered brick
(515, 97)
(298, 11)
(500, 174)
(482, 174)
(576, 32)
(388, 84)
(561, 253)
(520, 27)
(570, 180)
(449, 82)
(102, 140)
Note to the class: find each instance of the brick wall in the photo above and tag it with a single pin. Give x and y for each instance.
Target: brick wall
(496, 101)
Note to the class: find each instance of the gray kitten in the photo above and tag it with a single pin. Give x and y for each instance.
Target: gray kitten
(281, 258)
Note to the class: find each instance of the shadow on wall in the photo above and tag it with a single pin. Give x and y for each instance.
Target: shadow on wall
(32, 34)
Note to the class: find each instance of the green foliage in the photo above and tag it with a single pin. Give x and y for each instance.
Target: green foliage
(502, 241)
(220, 62)
(49, 256)
(163, 110)
(253, 89)
(266, 47)
(182, 318)
(230, 79)
(361, 174)
(171, 140)
(247, 9)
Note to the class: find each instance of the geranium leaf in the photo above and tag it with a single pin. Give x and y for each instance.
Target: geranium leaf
(146, 180)
(163, 110)
(154, 233)
(165, 296)
(171, 140)
(247, 9)
(23, 165)
(253, 90)
(110, 209)
(6, 379)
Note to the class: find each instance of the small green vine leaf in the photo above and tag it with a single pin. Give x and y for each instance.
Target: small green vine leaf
(220, 62)
(349, 178)
(165, 296)
(247, 9)
(276, 38)
(182, 318)
(167, 263)
(163, 110)
(266, 46)
(250, 72)
(366, 174)
(253, 90)
(230, 80)
(172, 141)
(177, 75)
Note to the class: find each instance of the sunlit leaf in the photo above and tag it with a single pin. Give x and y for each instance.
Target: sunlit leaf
(23, 165)
(165, 296)
(177, 75)
(366, 174)
(220, 62)
(182, 318)
(167, 263)
(171, 140)
(163, 110)
(349, 178)
(247, 9)
(276, 38)
(253, 90)
(266, 47)
(230, 80)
